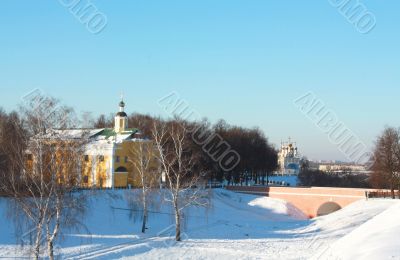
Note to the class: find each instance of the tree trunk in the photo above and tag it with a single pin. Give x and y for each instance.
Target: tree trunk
(398, 192)
(392, 190)
(178, 227)
(53, 235)
(144, 223)
(50, 249)
(144, 214)
(177, 222)
(36, 251)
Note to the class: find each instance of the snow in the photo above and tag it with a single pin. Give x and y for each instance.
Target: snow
(278, 206)
(235, 226)
(72, 133)
(378, 239)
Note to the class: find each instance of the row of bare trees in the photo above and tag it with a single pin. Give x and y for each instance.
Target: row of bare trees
(258, 157)
(345, 179)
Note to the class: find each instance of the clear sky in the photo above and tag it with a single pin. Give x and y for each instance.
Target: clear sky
(243, 61)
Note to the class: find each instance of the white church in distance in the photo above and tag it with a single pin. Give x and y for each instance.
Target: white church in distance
(289, 159)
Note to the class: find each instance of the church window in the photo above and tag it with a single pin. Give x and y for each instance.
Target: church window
(121, 169)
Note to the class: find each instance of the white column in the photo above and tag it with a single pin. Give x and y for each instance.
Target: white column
(111, 172)
(94, 166)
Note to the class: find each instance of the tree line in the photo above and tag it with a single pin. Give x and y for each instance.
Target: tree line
(345, 179)
(258, 157)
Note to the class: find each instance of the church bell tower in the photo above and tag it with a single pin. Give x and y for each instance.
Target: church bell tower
(121, 119)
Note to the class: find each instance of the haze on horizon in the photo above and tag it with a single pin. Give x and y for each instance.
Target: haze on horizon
(244, 62)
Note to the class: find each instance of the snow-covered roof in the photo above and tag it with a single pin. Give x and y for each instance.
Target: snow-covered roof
(71, 133)
(94, 134)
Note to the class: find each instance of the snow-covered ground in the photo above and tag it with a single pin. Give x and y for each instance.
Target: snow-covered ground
(235, 226)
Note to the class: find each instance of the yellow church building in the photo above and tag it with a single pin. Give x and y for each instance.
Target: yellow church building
(108, 159)
(109, 155)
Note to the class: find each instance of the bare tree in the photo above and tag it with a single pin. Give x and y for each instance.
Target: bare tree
(142, 157)
(12, 144)
(178, 165)
(44, 170)
(103, 122)
(386, 159)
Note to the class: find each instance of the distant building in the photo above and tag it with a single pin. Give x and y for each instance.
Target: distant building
(342, 167)
(289, 159)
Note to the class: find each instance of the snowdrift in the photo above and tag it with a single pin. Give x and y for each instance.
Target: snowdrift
(377, 239)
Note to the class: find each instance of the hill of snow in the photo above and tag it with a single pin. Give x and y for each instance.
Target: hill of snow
(234, 226)
(378, 238)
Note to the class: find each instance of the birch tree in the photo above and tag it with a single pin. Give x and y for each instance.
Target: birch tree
(44, 168)
(178, 163)
(142, 157)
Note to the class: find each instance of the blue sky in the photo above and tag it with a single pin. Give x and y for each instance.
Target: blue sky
(243, 61)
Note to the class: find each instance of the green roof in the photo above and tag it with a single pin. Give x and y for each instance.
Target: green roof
(109, 132)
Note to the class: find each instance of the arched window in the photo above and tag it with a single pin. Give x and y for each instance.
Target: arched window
(121, 169)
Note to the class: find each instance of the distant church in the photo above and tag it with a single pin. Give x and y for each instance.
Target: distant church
(289, 159)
